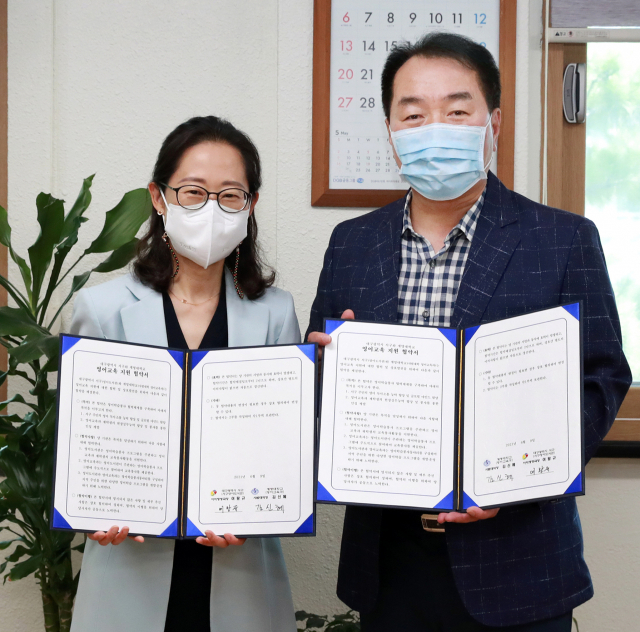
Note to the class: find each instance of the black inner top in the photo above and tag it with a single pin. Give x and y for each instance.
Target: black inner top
(191, 576)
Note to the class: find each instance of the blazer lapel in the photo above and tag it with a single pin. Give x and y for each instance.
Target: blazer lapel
(497, 236)
(143, 322)
(385, 272)
(247, 321)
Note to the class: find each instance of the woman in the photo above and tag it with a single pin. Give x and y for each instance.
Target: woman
(197, 281)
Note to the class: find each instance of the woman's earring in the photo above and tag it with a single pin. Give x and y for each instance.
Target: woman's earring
(235, 273)
(167, 241)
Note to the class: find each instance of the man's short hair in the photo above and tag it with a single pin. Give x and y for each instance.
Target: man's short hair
(445, 46)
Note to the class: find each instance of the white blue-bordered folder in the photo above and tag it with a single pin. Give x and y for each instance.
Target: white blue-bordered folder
(173, 443)
(444, 419)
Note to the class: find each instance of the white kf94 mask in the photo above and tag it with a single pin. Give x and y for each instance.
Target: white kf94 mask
(206, 235)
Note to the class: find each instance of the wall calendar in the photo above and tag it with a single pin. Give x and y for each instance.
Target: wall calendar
(353, 163)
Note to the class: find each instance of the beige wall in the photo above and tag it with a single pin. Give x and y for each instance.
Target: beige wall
(94, 87)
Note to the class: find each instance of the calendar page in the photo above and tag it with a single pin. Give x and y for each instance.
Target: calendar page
(363, 32)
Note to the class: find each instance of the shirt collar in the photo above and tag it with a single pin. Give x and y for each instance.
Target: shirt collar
(466, 225)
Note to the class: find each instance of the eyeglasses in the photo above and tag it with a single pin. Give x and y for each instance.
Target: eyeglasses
(193, 197)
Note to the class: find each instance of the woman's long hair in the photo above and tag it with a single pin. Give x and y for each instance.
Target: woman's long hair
(153, 264)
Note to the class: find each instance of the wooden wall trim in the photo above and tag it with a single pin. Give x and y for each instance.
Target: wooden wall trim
(507, 65)
(566, 142)
(3, 161)
(321, 103)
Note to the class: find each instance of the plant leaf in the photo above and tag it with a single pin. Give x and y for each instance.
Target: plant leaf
(119, 258)
(17, 321)
(13, 293)
(315, 621)
(18, 552)
(5, 240)
(16, 399)
(5, 229)
(22, 569)
(47, 424)
(51, 220)
(7, 543)
(7, 424)
(301, 615)
(73, 219)
(78, 282)
(19, 474)
(34, 348)
(123, 221)
(68, 239)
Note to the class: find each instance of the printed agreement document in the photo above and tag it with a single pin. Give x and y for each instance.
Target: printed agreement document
(173, 443)
(439, 418)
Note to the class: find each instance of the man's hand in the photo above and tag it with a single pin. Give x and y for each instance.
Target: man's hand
(473, 515)
(324, 339)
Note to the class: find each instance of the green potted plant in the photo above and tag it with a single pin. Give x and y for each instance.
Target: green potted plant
(27, 439)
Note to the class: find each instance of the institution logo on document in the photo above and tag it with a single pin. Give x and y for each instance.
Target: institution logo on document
(487, 463)
(525, 456)
(255, 491)
(214, 492)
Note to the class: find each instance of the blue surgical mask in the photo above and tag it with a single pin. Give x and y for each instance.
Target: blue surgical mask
(442, 161)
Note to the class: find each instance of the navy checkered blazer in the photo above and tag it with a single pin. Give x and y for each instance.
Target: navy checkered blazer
(526, 564)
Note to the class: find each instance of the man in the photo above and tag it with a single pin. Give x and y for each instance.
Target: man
(461, 249)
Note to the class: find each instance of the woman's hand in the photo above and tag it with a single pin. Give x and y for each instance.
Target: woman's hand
(114, 536)
(324, 339)
(215, 540)
(473, 515)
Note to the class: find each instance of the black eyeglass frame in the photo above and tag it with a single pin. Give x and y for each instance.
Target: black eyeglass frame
(247, 204)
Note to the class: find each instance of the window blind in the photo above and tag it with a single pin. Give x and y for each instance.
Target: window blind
(583, 13)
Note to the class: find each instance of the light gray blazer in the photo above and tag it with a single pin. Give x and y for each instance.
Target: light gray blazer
(126, 587)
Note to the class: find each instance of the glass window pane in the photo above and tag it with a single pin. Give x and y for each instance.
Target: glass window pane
(613, 176)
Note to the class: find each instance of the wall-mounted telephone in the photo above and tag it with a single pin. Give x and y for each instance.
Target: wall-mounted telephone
(574, 93)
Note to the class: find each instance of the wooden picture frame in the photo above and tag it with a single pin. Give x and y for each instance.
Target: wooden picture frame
(321, 194)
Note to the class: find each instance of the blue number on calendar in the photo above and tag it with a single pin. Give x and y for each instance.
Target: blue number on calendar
(482, 16)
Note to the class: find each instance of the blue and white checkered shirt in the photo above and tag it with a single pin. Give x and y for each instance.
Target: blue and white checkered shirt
(429, 281)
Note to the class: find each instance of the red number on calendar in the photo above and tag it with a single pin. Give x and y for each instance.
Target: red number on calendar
(345, 74)
(344, 102)
(346, 45)
(346, 18)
